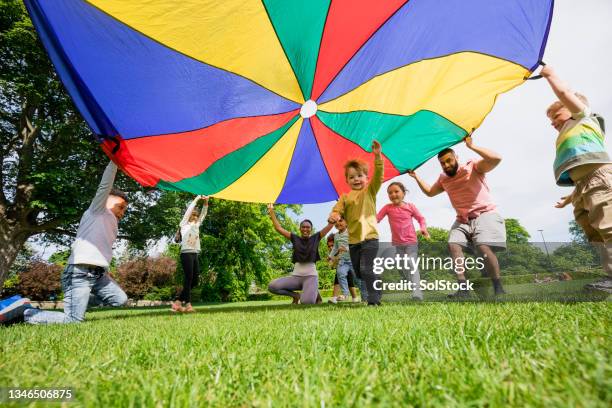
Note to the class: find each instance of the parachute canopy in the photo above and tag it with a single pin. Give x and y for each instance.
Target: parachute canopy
(264, 101)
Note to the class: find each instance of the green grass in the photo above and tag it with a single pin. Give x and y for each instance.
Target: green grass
(272, 354)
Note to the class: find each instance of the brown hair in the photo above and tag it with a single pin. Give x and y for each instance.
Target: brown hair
(356, 164)
(556, 105)
(399, 184)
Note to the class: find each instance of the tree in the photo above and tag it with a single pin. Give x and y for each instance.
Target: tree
(240, 246)
(51, 164)
(577, 233)
(515, 232)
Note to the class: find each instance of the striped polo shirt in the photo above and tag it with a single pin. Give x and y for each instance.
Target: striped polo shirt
(580, 141)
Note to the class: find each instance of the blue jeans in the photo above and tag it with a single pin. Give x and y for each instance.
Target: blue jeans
(412, 250)
(344, 268)
(82, 286)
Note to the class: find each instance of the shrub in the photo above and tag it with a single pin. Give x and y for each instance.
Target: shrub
(165, 293)
(40, 280)
(10, 286)
(139, 276)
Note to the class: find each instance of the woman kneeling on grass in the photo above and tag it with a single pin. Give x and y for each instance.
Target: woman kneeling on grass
(189, 237)
(305, 253)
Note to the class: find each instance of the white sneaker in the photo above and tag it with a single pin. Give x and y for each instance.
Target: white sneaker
(356, 300)
(332, 300)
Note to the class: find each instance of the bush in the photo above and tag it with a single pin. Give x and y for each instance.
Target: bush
(40, 281)
(10, 286)
(165, 293)
(138, 277)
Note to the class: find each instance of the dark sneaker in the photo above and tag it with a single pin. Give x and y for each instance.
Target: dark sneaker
(499, 291)
(12, 309)
(460, 294)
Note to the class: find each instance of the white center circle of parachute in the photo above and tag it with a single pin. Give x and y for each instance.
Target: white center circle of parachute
(308, 109)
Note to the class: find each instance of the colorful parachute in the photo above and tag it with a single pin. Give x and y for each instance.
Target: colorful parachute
(264, 101)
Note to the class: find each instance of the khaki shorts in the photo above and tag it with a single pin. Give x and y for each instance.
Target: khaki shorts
(487, 229)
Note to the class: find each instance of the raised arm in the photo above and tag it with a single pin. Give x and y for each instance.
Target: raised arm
(563, 92)
(104, 188)
(379, 169)
(490, 159)
(428, 190)
(189, 210)
(204, 210)
(276, 224)
(325, 230)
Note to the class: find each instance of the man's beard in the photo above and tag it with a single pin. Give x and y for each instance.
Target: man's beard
(453, 171)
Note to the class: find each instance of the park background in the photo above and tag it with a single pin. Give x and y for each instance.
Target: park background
(241, 253)
(266, 353)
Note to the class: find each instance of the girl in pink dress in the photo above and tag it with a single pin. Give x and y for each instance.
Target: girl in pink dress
(403, 235)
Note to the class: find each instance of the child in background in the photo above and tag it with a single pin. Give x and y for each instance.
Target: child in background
(189, 228)
(358, 207)
(582, 161)
(340, 258)
(330, 245)
(403, 235)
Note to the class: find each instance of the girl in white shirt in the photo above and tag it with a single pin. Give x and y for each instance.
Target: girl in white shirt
(190, 250)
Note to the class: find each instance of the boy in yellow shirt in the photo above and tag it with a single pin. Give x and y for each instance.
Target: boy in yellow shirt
(358, 207)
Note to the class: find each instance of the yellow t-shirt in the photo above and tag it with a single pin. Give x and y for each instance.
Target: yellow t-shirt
(358, 207)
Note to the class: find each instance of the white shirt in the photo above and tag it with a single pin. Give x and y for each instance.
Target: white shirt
(190, 231)
(98, 227)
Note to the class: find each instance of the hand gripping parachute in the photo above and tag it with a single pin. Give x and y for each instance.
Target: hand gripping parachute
(264, 101)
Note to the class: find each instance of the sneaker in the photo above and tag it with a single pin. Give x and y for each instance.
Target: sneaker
(341, 298)
(333, 300)
(11, 309)
(460, 294)
(499, 291)
(356, 300)
(604, 285)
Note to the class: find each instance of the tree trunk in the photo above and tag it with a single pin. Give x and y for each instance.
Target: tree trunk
(12, 239)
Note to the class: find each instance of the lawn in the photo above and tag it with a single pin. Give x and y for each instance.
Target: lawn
(271, 354)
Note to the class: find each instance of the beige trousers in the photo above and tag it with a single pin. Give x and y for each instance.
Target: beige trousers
(592, 202)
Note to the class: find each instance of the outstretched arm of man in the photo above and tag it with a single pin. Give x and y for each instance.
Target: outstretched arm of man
(490, 159)
(428, 190)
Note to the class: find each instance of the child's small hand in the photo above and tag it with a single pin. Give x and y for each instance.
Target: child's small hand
(411, 173)
(204, 198)
(425, 234)
(376, 147)
(270, 207)
(563, 202)
(334, 217)
(547, 71)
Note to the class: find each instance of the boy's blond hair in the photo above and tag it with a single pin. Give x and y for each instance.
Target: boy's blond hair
(555, 106)
(356, 164)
